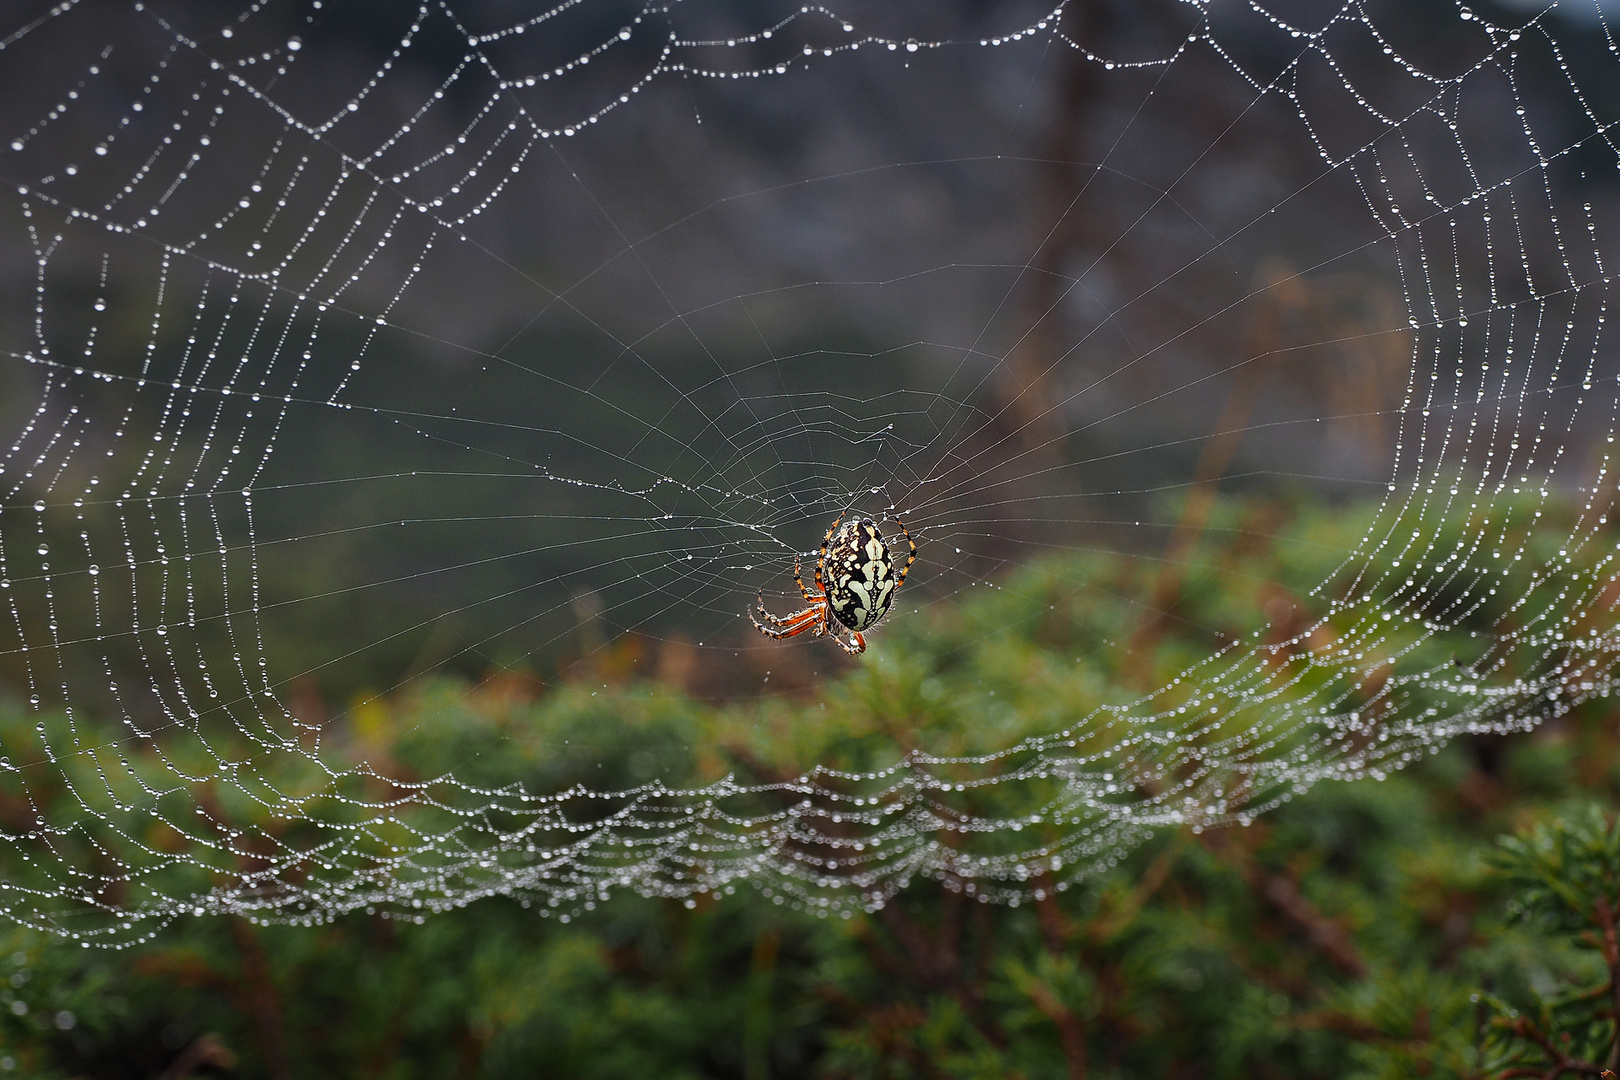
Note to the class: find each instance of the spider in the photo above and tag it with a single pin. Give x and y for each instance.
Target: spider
(858, 588)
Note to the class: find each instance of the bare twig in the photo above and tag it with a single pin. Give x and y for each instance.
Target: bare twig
(1071, 1034)
(1561, 1063)
(1330, 939)
(207, 1050)
(261, 1001)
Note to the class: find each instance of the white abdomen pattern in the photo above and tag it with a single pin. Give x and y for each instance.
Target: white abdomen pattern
(860, 575)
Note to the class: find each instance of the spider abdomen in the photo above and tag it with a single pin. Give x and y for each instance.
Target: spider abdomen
(860, 575)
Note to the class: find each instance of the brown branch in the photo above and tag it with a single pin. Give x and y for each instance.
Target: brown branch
(1611, 953)
(934, 956)
(255, 995)
(1343, 1023)
(1056, 932)
(1213, 461)
(1330, 939)
(260, 1000)
(1607, 942)
(1071, 1035)
(1055, 928)
(207, 1050)
(1029, 406)
(881, 956)
(1561, 1062)
(1157, 873)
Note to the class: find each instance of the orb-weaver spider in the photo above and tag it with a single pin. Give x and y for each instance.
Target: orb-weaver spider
(858, 587)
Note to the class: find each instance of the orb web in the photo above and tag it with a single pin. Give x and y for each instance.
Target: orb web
(347, 349)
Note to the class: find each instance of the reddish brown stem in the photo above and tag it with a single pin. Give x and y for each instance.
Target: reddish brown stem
(263, 1003)
(1611, 953)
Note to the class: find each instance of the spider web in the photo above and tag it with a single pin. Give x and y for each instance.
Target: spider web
(343, 347)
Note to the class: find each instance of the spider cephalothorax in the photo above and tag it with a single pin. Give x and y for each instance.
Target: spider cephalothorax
(855, 584)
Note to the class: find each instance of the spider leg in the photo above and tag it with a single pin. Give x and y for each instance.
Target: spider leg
(822, 559)
(900, 579)
(814, 620)
(759, 606)
(856, 649)
(797, 623)
(778, 635)
(772, 620)
(800, 582)
(775, 620)
(823, 613)
(785, 620)
(813, 614)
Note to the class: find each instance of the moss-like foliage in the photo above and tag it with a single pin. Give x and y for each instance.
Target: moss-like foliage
(1370, 929)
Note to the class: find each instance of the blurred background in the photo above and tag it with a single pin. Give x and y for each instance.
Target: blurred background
(402, 405)
(572, 332)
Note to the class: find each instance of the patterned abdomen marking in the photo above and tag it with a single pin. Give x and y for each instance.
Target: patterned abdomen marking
(860, 575)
